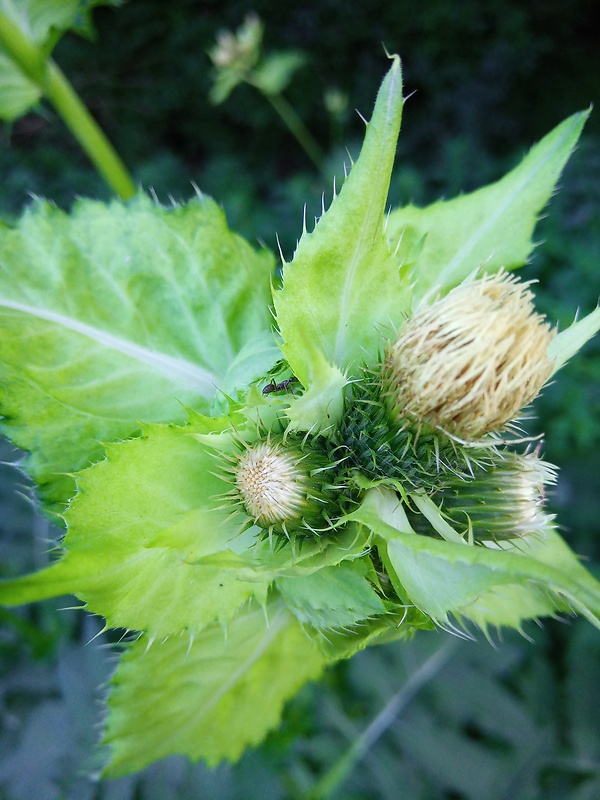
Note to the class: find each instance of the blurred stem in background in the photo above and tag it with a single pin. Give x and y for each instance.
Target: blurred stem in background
(327, 787)
(297, 128)
(238, 58)
(39, 68)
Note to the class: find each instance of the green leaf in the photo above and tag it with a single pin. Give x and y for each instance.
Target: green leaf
(342, 288)
(122, 313)
(43, 22)
(140, 530)
(448, 240)
(207, 696)
(302, 558)
(276, 71)
(566, 343)
(17, 93)
(501, 586)
(319, 409)
(333, 597)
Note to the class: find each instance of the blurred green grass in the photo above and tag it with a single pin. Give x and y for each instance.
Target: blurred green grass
(514, 719)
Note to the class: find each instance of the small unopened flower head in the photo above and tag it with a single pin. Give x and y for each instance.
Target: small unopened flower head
(239, 49)
(505, 501)
(469, 363)
(282, 486)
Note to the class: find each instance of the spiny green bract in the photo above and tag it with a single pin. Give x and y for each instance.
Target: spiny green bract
(386, 450)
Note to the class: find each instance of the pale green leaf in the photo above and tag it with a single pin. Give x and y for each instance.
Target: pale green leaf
(320, 408)
(122, 313)
(255, 358)
(333, 597)
(566, 343)
(492, 587)
(446, 241)
(276, 71)
(17, 93)
(140, 530)
(342, 288)
(209, 696)
(489, 586)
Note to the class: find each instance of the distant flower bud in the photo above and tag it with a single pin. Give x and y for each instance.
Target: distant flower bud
(240, 49)
(471, 361)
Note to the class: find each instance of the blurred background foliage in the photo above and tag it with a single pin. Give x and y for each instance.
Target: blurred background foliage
(517, 718)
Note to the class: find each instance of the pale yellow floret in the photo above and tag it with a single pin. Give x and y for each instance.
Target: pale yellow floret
(471, 361)
(270, 484)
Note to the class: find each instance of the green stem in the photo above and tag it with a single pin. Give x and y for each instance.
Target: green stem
(297, 128)
(329, 784)
(40, 69)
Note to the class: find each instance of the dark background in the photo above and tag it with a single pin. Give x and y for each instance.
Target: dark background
(515, 719)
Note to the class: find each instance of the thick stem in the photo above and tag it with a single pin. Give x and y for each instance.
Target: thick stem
(53, 84)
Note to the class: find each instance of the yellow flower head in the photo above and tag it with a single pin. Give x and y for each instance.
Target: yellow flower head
(283, 485)
(272, 484)
(471, 361)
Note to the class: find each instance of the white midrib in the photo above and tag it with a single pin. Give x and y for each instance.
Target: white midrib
(373, 209)
(180, 371)
(276, 624)
(499, 211)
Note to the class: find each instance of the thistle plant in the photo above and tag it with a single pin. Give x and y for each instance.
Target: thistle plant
(255, 501)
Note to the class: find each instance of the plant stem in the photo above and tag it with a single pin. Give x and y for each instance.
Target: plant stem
(40, 69)
(328, 785)
(297, 128)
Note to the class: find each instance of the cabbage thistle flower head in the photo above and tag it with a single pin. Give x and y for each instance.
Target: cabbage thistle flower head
(282, 485)
(503, 501)
(468, 363)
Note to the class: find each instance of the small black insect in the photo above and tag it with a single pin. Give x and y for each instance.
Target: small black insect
(282, 386)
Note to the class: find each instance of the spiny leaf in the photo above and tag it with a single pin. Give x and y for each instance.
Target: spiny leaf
(141, 531)
(489, 586)
(318, 409)
(342, 287)
(333, 597)
(447, 240)
(126, 313)
(208, 696)
(566, 343)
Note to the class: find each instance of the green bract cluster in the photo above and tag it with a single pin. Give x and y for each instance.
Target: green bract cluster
(254, 501)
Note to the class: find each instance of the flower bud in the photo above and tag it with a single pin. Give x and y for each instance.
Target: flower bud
(505, 501)
(282, 486)
(468, 363)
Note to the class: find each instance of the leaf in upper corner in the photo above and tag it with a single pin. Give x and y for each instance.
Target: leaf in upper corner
(43, 22)
(491, 226)
(141, 531)
(121, 313)
(342, 289)
(211, 696)
(333, 597)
